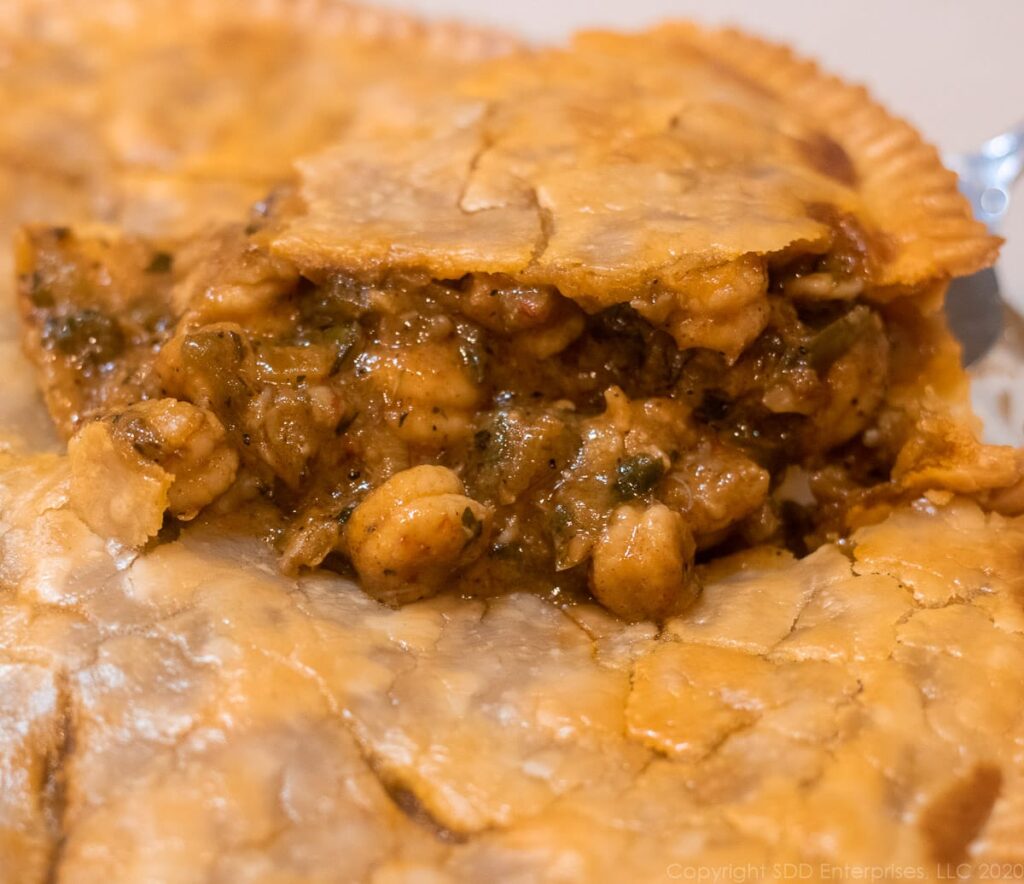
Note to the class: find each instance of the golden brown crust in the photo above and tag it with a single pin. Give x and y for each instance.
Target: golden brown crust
(201, 89)
(625, 163)
(209, 719)
(909, 195)
(192, 713)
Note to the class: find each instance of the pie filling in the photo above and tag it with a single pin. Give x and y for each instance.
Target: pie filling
(471, 434)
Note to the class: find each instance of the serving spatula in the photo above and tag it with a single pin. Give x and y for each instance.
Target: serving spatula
(975, 308)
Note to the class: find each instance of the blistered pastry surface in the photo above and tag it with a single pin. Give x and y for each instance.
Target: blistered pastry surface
(188, 711)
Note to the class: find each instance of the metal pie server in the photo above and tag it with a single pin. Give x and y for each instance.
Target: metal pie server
(974, 306)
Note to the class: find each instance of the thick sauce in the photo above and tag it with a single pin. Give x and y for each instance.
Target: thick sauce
(469, 433)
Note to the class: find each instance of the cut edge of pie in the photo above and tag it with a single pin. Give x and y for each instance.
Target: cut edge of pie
(551, 325)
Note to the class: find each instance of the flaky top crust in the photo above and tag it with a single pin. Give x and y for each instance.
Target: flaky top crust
(208, 718)
(626, 163)
(203, 89)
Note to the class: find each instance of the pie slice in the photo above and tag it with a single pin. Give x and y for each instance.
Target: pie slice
(568, 324)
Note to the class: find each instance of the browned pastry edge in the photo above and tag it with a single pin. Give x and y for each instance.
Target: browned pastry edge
(912, 197)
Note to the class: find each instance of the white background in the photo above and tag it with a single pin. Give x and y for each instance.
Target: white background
(955, 68)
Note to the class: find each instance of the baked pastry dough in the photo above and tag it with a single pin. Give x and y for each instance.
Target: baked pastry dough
(604, 226)
(615, 168)
(566, 321)
(193, 714)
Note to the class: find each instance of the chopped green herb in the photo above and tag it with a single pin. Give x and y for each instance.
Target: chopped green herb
(474, 527)
(561, 519)
(343, 336)
(637, 475)
(89, 336)
(835, 339)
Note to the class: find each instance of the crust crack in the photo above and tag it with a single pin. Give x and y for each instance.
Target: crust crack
(54, 788)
